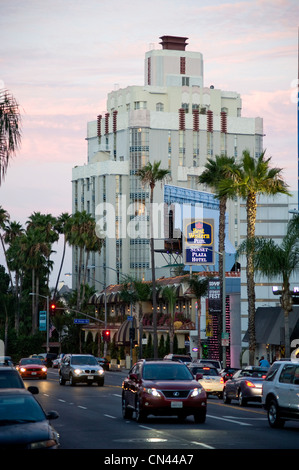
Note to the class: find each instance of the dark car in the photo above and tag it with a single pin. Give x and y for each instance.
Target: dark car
(10, 378)
(32, 368)
(162, 388)
(103, 362)
(228, 372)
(245, 385)
(185, 358)
(23, 422)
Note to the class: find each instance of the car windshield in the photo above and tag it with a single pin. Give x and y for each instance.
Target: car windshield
(34, 360)
(253, 373)
(10, 379)
(20, 409)
(166, 372)
(84, 360)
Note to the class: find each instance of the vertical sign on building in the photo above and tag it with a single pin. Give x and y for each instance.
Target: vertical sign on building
(198, 242)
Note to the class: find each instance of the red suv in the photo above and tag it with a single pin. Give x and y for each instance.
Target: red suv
(162, 388)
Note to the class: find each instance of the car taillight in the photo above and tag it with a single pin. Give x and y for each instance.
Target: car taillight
(221, 380)
(250, 384)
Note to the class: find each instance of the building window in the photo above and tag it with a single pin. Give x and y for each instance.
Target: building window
(159, 107)
(140, 104)
(185, 81)
(182, 65)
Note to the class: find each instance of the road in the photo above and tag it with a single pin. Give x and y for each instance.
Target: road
(91, 418)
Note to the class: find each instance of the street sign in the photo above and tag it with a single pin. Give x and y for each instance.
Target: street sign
(42, 320)
(81, 321)
(130, 318)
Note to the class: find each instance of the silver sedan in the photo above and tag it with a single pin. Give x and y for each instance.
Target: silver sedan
(245, 385)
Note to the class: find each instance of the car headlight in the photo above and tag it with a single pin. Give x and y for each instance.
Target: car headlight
(22, 369)
(153, 391)
(196, 392)
(44, 369)
(77, 371)
(101, 371)
(43, 444)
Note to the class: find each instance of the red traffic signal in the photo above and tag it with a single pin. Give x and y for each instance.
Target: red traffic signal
(106, 335)
(52, 308)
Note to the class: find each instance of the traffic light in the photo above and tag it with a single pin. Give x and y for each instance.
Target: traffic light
(106, 335)
(52, 308)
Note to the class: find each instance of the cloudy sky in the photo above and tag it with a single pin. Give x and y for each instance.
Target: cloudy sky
(61, 58)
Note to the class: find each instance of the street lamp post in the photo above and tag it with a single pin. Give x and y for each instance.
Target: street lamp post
(47, 319)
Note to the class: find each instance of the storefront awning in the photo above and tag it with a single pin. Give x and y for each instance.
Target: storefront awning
(122, 336)
(269, 325)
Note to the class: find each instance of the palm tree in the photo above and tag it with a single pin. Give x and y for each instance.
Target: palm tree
(150, 174)
(279, 261)
(10, 133)
(249, 179)
(216, 171)
(199, 288)
(62, 226)
(4, 219)
(169, 295)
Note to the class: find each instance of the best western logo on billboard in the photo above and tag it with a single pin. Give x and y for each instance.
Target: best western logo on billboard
(198, 241)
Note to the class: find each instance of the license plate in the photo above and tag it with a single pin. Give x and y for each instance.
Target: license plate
(90, 377)
(33, 373)
(176, 404)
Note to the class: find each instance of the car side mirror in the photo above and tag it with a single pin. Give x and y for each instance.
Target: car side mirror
(133, 377)
(199, 376)
(33, 390)
(52, 415)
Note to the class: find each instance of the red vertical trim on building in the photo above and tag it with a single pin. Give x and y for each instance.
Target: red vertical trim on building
(196, 120)
(149, 71)
(114, 121)
(99, 119)
(107, 123)
(223, 122)
(182, 116)
(182, 65)
(210, 121)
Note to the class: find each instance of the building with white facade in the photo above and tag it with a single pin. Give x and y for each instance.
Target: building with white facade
(173, 118)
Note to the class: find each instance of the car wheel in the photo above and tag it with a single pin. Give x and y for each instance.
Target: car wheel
(61, 380)
(127, 413)
(140, 414)
(71, 380)
(200, 417)
(241, 399)
(273, 415)
(225, 397)
(101, 383)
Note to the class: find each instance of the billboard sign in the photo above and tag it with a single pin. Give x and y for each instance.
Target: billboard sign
(198, 241)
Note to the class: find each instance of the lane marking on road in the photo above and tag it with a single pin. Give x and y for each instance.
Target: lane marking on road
(229, 420)
(60, 399)
(116, 395)
(83, 407)
(206, 446)
(109, 416)
(243, 417)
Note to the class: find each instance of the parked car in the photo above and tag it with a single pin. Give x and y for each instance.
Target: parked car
(6, 361)
(185, 358)
(209, 378)
(81, 368)
(32, 368)
(162, 388)
(103, 362)
(10, 378)
(228, 372)
(281, 393)
(245, 385)
(210, 362)
(23, 422)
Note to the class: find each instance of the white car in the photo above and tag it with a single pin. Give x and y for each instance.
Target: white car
(281, 393)
(210, 380)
